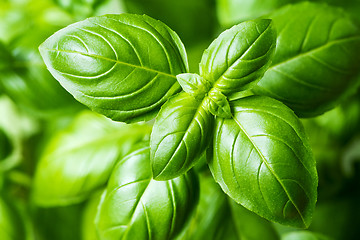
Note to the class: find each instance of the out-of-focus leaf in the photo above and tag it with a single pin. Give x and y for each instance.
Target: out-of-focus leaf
(9, 155)
(304, 235)
(342, 122)
(135, 206)
(123, 66)
(88, 228)
(79, 8)
(79, 160)
(230, 12)
(179, 136)
(10, 226)
(262, 160)
(194, 21)
(250, 226)
(15, 126)
(345, 224)
(316, 58)
(58, 223)
(26, 80)
(217, 217)
(351, 156)
(212, 219)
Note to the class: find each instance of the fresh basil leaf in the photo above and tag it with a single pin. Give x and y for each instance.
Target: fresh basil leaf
(194, 84)
(304, 235)
(123, 66)
(135, 206)
(218, 104)
(239, 56)
(79, 160)
(262, 160)
(316, 57)
(179, 136)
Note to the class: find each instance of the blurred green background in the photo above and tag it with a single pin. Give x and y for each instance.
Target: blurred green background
(35, 111)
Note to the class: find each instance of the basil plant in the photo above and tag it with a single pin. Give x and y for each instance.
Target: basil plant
(133, 68)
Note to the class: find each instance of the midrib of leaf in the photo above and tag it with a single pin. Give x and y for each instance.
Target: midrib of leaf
(269, 168)
(183, 138)
(110, 60)
(315, 50)
(240, 57)
(137, 204)
(147, 220)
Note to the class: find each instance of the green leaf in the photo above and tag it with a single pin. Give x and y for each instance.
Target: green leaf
(212, 219)
(316, 57)
(5, 145)
(250, 226)
(230, 12)
(122, 66)
(179, 136)
(239, 56)
(10, 226)
(304, 235)
(57, 223)
(262, 160)
(217, 217)
(79, 160)
(194, 21)
(88, 228)
(25, 79)
(194, 84)
(218, 104)
(134, 206)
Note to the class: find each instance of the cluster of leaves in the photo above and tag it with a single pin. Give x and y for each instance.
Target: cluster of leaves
(227, 156)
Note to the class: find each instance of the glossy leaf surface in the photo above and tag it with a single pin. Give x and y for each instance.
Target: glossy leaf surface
(262, 160)
(180, 135)
(239, 56)
(123, 66)
(79, 160)
(135, 206)
(316, 56)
